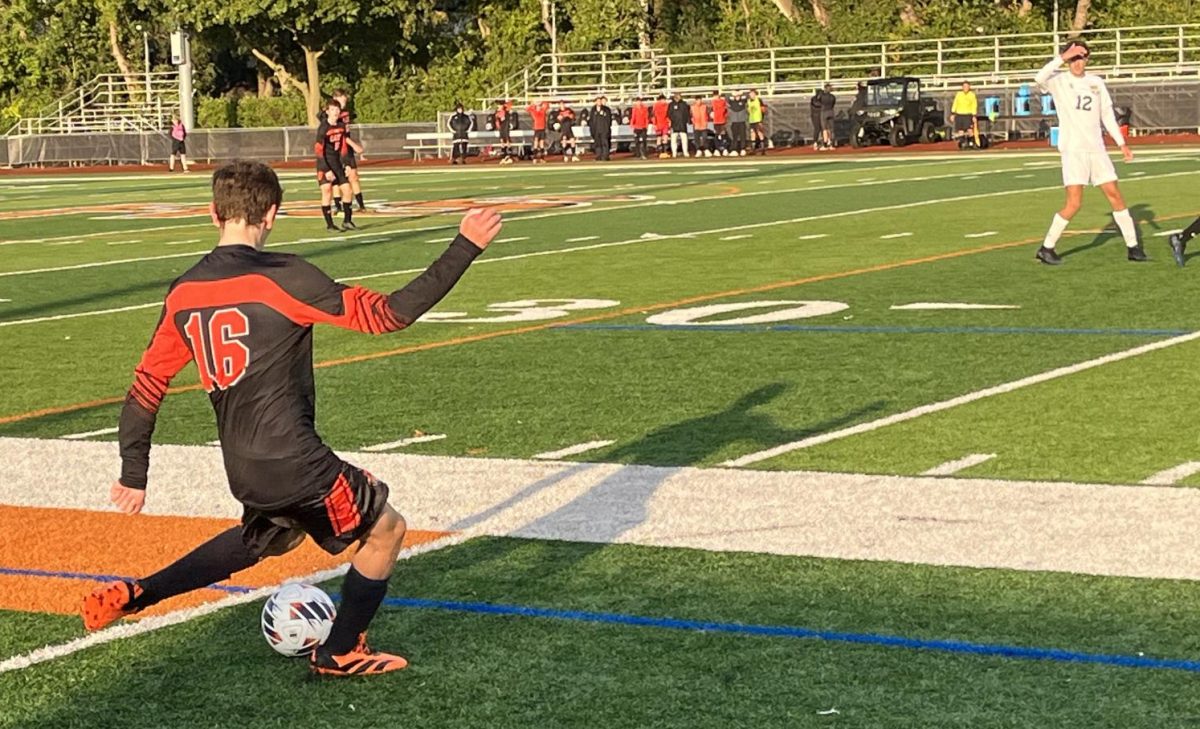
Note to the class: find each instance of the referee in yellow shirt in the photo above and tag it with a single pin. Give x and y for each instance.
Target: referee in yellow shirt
(963, 113)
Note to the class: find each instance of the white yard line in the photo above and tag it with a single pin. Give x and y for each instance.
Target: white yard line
(889, 236)
(949, 468)
(78, 315)
(1166, 233)
(91, 433)
(103, 234)
(149, 625)
(948, 306)
(123, 242)
(574, 450)
(984, 234)
(381, 447)
(812, 236)
(737, 237)
(183, 242)
(1172, 476)
(512, 240)
(971, 397)
(582, 239)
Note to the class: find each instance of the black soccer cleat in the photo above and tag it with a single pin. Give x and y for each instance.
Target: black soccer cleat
(1178, 246)
(349, 225)
(1049, 256)
(1137, 253)
(333, 228)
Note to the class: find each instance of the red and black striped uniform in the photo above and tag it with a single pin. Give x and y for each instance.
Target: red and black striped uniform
(331, 140)
(246, 318)
(348, 158)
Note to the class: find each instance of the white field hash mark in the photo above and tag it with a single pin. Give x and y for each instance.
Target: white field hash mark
(90, 433)
(813, 236)
(574, 450)
(949, 306)
(950, 468)
(894, 235)
(1172, 476)
(148, 625)
(970, 397)
(404, 442)
(984, 234)
(737, 237)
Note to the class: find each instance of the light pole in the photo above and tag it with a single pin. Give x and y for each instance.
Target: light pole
(145, 58)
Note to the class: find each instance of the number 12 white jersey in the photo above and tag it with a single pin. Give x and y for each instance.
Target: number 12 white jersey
(1083, 104)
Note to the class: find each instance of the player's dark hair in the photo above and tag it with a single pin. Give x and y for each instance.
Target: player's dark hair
(1077, 44)
(244, 190)
(333, 102)
(341, 92)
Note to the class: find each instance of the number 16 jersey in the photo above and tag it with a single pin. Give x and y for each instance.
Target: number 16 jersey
(245, 317)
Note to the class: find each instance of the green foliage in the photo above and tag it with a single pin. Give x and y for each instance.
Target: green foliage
(219, 113)
(271, 111)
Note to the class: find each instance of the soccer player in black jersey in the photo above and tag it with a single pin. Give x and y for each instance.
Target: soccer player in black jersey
(245, 316)
(331, 137)
(351, 150)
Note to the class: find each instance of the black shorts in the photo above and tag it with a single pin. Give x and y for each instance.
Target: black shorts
(756, 126)
(963, 122)
(827, 122)
(349, 161)
(719, 129)
(177, 146)
(335, 520)
(568, 134)
(326, 165)
(539, 134)
(505, 136)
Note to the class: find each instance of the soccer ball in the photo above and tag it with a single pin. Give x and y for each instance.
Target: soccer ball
(297, 619)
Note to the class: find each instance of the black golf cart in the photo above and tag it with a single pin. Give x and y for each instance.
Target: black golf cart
(896, 113)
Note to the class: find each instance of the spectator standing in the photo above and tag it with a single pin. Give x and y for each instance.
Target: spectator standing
(828, 114)
(755, 113)
(461, 124)
(178, 146)
(566, 127)
(814, 106)
(662, 125)
(679, 114)
(600, 124)
(738, 117)
(720, 118)
(537, 112)
(700, 126)
(858, 108)
(503, 125)
(639, 120)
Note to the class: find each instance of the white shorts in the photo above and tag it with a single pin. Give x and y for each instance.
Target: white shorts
(1086, 167)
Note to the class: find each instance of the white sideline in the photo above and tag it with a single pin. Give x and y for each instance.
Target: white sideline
(949, 468)
(955, 402)
(149, 625)
(574, 450)
(1172, 476)
(380, 447)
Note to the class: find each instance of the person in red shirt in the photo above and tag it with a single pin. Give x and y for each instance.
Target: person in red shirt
(720, 117)
(639, 119)
(538, 111)
(662, 126)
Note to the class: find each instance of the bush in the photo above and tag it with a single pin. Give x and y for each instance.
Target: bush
(218, 113)
(272, 111)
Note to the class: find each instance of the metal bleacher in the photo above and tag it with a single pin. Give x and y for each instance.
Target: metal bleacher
(1146, 53)
(108, 104)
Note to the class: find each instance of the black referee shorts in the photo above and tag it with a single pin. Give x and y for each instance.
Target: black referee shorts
(335, 520)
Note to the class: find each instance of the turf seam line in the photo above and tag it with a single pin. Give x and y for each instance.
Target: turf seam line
(784, 631)
(147, 625)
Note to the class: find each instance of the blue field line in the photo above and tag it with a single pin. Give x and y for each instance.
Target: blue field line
(832, 329)
(785, 631)
(103, 578)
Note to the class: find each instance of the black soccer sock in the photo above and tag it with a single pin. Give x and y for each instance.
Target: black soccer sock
(361, 598)
(1191, 231)
(325, 210)
(213, 561)
(359, 200)
(346, 209)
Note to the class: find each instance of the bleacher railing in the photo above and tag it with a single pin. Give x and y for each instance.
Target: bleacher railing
(1136, 53)
(107, 103)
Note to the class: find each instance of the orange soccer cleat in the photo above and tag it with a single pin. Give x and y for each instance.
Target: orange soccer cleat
(360, 661)
(109, 602)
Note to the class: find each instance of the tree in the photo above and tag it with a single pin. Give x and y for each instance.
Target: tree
(1081, 16)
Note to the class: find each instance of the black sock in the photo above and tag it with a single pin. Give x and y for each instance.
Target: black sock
(359, 200)
(1192, 230)
(213, 561)
(346, 206)
(361, 598)
(327, 214)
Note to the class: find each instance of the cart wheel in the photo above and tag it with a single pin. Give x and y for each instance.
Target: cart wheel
(929, 133)
(897, 137)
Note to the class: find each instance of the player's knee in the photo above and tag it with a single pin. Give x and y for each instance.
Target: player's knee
(390, 528)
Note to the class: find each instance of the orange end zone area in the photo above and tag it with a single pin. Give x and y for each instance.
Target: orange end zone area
(105, 543)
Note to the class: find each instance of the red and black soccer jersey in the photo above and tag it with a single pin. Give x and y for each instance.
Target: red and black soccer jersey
(538, 113)
(344, 120)
(662, 123)
(245, 317)
(331, 138)
(640, 116)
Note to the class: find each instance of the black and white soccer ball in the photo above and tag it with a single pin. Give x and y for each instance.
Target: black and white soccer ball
(297, 619)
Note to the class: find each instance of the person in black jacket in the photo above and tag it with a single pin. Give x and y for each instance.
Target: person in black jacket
(460, 124)
(680, 115)
(814, 106)
(828, 104)
(600, 124)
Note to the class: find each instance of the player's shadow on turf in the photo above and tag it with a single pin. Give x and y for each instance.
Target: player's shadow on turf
(620, 502)
(1143, 215)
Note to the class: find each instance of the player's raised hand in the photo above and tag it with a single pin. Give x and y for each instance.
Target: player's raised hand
(1127, 153)
(480, 226)
(129, 501)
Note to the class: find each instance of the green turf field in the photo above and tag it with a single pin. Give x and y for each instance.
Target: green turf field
(751, 313)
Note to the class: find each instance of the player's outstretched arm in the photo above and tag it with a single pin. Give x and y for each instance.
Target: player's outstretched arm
(323, 300)
(1108, 118)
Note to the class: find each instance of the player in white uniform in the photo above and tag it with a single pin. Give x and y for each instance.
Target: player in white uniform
(1084, 105)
